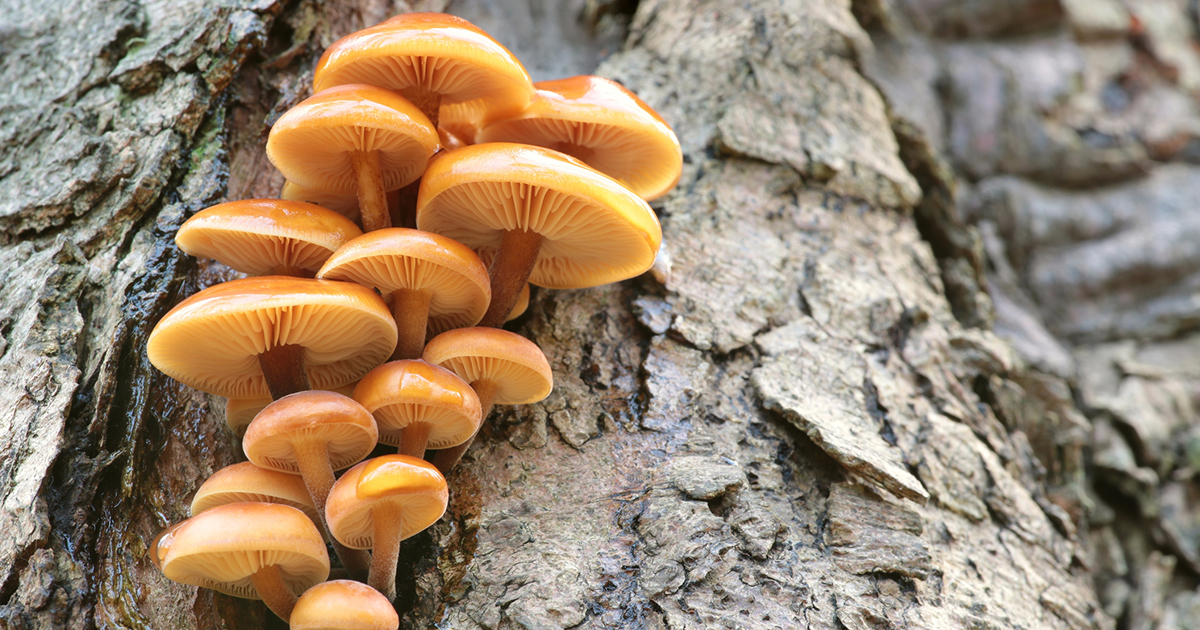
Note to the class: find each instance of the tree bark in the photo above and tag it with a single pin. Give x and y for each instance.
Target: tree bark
(787, 425)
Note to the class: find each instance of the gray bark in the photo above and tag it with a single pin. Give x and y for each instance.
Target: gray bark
(802, 419)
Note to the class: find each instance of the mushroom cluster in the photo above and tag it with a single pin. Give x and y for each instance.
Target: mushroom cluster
(349, 332)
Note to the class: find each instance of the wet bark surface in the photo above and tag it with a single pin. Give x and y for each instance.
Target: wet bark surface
(801, 419)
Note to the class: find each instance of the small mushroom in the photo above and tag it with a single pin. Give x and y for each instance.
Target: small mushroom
(502, 367)
(273, 336)
(603, 124)
(419, 405)
(435, 283)
(540, 216)
(354, 138)
(240, 412)
(382, 501)
(251, 550)
(262, 237)
(161, 543)
(343, 605)
(312, 434)
(247, 483)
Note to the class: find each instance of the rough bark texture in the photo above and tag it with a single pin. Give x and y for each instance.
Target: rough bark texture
(802, 420)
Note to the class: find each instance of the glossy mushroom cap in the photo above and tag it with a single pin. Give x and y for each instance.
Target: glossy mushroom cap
(260, 236)
(413, 486)
(311, 144)
(515, 363)
(247, 483)
(450, 139)
(398, 258)
(603, 124)
(222, 548)
(162, 543)
(594, 230)
(344, 426)
(343, 605)
(345, 204)
(240, 412)
(211, 341)
(403, 392)
(433, 52)
(521, 306)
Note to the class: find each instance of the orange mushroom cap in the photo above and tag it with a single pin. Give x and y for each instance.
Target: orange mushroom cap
(602, 123)
(399, 258)
(347, 429)
(403, 392)
(240, 412)
(247, 483)
(258, 236)
(343, 605)
(162, 543)
(434, 52)
(515, 363)
(222, 548)
(211, 341)
(311, 143)
(451, 139)
(412, 486)
(594, 230)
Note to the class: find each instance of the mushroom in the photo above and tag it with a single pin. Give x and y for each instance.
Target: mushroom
(161, 543)
(451, 140)
(541, 216)
(604, 125)
(382, 501)
(436, 283)
(354, 138)
(247, 483)
(432, 59)
(343, 605)
(419, 405)
(252, 550)
(240, 412)
(263, 237)
(502, 367)
(272, 336)
(312, 434)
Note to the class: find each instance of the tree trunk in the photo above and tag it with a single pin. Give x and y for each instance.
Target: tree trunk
(801, 419)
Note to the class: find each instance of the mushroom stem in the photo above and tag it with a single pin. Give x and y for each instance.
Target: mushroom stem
(411, 310)
(414, 438)
(385, 552)
(447, 459)
(428, 101)
(283, 368)
(372, 198)
(312, 457)
(510, 271)
(268, 581)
